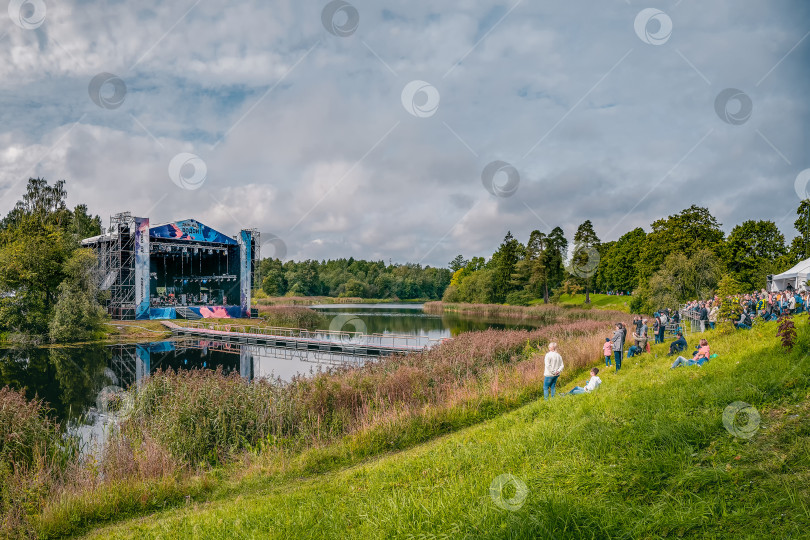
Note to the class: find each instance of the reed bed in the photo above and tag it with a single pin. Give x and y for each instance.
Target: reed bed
(291, 316)
(34, 459)
(539, 314)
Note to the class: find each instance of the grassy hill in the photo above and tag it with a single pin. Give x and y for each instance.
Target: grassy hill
(647, 456)
(598, 301)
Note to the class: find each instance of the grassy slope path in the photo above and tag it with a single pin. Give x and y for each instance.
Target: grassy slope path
(646, 456)
(598, 301)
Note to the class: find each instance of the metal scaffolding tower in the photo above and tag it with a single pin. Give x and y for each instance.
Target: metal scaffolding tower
(120, 266)
(256, 254)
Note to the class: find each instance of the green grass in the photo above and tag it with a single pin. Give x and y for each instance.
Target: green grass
(647, 456)
(598, 301)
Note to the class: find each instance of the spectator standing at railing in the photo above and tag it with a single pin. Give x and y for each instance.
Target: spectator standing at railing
(713, 313)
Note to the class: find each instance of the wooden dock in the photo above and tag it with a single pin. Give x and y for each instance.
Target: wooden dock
(350, 343)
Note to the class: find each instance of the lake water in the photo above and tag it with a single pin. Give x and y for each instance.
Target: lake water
(405, 319)
(73, 379)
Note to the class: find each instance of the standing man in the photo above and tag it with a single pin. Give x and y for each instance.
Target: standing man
(553, 368)
(618, 345)
(703, 317)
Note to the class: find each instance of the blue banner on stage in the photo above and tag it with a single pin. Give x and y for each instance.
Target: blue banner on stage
(162, 313)
(190, 229)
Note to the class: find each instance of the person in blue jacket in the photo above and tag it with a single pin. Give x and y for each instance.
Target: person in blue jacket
(678, 345)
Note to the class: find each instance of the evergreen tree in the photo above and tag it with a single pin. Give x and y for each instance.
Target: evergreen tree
(458, 263)
(503, 266)
(585, 258)
(556, 252)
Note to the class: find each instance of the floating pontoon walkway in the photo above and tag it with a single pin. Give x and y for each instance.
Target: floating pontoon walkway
(351, 343)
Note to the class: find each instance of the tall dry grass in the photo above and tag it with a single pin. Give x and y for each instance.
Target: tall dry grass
(34, 458)
(539, 314)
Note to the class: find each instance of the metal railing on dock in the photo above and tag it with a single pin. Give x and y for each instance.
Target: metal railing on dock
(309, 339)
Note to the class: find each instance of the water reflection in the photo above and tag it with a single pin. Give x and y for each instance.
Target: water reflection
(69, 379)
(408, 319)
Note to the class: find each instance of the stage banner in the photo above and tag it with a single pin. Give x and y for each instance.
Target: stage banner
(162, 313)
(190, 229)
(245, 258)
(217, 312)
(141, 268)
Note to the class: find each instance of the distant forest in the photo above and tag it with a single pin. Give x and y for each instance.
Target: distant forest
(352, 278)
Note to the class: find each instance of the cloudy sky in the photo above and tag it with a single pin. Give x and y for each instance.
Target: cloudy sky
(367, 128)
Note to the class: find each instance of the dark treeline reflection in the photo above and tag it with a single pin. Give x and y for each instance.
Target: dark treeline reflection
(66, 378)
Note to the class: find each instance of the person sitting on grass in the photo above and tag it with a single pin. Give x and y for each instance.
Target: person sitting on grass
(701, 356)
(678, 345)
(745, 321)
(592, 384)
(634, 350)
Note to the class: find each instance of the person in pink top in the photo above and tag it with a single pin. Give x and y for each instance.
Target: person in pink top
(701, 356)
(607, 349)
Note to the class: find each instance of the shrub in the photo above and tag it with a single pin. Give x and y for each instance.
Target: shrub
(787, 331)
(292, 316)
(519, 298)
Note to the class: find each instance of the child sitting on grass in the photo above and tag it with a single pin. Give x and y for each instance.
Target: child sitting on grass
(592, 384)
(607, 349)
(700, 358)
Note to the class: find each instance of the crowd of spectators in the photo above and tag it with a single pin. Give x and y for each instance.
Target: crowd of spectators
(767, 306)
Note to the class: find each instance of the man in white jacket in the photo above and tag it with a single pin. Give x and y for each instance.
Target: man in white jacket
(553, 368)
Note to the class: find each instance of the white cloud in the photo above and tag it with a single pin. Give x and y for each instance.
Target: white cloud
(280, 110)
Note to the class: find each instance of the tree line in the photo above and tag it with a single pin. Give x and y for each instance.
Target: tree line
(48, 287)
(682, 257)
(352, 278)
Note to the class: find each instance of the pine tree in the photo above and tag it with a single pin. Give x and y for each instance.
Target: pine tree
(586, 255)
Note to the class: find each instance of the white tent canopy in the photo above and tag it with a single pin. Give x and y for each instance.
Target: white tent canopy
(796, 277)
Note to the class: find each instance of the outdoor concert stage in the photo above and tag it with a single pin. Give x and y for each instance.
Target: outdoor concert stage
(182, 269)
